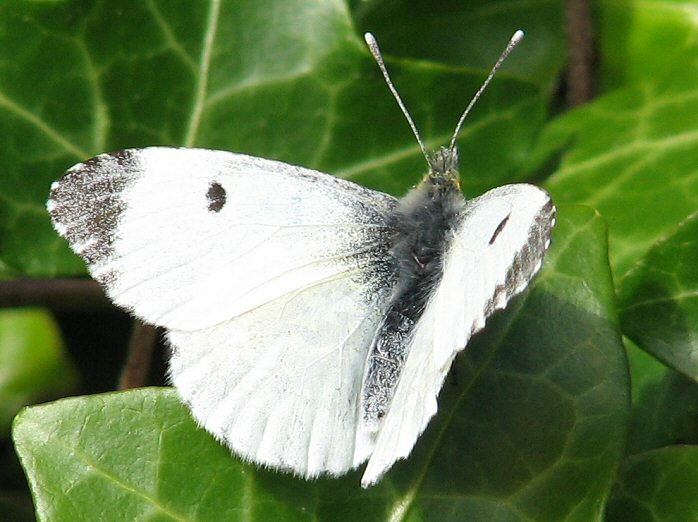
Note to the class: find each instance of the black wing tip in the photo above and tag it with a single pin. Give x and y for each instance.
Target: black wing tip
(85, 204)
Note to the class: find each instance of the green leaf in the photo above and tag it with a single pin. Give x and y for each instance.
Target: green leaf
(468, 37)
(632, 155)
(633, 152)
(642, 41)
(288, 80)
(33, 363)
(113, 457)
(665, 405)
(645, 369)
(531, 426)
(657, 486)
(659, 300)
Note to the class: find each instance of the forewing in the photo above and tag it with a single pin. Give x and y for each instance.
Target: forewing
(279, 385)
(189, 238)
(495, 251)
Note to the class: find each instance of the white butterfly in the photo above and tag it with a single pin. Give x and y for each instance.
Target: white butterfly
(312, 321)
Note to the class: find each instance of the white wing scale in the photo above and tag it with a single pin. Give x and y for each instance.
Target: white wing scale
(484, 266)
(281, 387)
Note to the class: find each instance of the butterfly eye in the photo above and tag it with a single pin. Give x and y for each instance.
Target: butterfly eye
(499, 228)
(216, 197)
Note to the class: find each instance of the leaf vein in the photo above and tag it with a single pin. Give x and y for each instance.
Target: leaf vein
(202, 78)
(42, 126)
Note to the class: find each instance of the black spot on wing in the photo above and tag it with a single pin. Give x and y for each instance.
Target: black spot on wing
(86, 204)
(499, 229)
(216, 197)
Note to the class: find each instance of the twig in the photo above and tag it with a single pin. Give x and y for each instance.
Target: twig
(140, 353)
(60, 295)
(580, 81)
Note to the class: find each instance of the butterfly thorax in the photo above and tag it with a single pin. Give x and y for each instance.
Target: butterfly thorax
(424, 220)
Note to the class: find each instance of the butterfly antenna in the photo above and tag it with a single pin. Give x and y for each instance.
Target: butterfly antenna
(515, 39)
(376, 52)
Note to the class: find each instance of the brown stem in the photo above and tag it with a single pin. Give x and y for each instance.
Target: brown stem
(60, 295)
(140, 353)
(580, 81)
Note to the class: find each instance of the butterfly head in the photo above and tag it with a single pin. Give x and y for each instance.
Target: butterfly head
(443, 167)
(443, 160)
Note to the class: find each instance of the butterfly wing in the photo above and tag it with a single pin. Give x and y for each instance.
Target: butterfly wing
(270, 279)
(280, 384)
(495, 251)
(188, 238)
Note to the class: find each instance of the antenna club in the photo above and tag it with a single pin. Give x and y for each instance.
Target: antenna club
(370, 39)
(517, 37)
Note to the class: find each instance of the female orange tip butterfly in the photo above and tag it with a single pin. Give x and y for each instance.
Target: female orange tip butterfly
(312, 321)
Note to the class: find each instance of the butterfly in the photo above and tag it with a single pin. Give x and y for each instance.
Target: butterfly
(311, 321)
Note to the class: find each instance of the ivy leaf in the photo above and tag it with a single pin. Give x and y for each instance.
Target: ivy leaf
(466, 37)
(634, 158)
(657, 486)
(633, 152)
(641, 42)
(664, 413)
(659, 300)
(532, 423)
(665, 404)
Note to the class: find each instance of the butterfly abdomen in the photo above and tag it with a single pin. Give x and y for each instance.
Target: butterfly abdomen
(424, 221)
